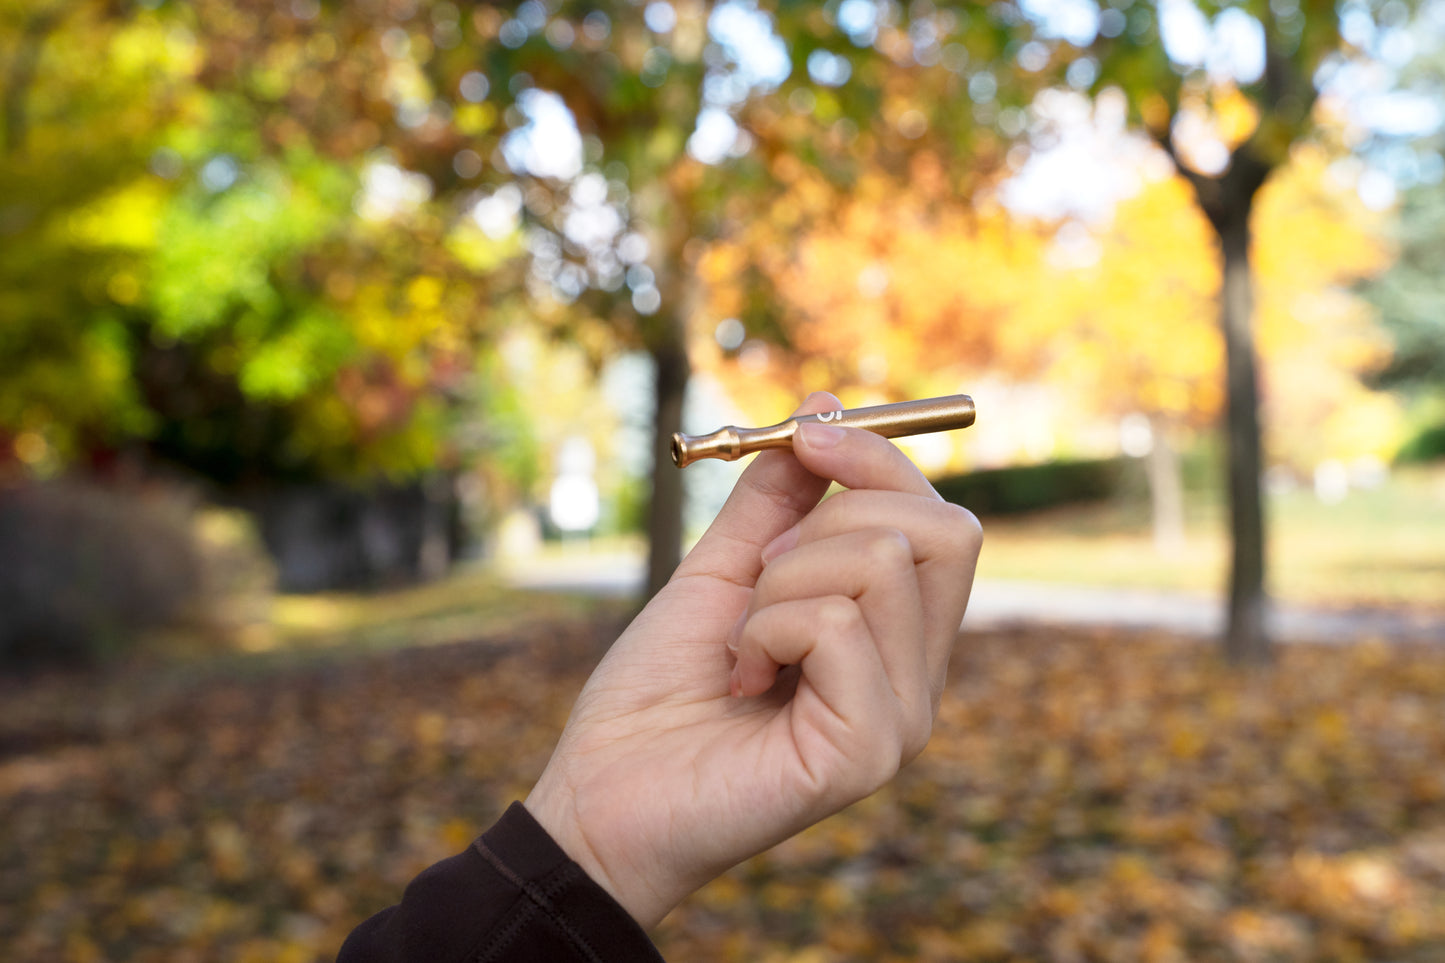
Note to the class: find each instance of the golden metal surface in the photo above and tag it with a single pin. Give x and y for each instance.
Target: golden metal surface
(890, 421)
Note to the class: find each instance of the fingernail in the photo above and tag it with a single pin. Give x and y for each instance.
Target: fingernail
(820, 436)
(735, 634)
(735, 683)
(787, 540)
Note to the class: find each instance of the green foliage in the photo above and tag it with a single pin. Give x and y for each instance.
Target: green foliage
(1427, 445)
(79, 127)
(231, 293)
(1026, 488)
(1410, 296)
(174, 279)
(225, 256)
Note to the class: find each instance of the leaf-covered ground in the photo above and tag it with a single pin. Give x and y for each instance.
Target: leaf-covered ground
(1085, 797)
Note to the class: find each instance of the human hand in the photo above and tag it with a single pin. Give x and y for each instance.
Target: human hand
(790, 667)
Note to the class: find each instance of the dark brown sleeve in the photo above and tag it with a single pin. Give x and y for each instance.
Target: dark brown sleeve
(513, 896)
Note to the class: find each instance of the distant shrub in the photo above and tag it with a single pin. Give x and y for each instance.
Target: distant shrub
(1027, 488)
(85, 569)
(331, 536)
(1427, 445)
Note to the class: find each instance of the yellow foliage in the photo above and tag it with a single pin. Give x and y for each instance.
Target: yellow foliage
(1314, 238)
(1235, 116)
(475, 119)
(125, 218)
(1138, 328)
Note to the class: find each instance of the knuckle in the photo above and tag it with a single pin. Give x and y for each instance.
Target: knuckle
(873, 766)
(919, 731)
(963, 525)
(890, 547)
(838, 615)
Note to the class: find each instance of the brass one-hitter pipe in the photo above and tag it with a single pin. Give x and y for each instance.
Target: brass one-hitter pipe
(890, 421)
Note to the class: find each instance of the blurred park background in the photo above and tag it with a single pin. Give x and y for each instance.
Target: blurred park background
(340, 345)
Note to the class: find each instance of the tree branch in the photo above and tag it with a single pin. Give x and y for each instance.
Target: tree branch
(1206, 189)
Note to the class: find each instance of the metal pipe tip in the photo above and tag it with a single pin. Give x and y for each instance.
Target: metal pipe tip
(687, 449)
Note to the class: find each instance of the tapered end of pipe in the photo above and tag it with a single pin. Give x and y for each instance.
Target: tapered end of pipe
(687, 449)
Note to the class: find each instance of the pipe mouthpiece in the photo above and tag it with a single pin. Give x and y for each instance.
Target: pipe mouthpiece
(687, 449)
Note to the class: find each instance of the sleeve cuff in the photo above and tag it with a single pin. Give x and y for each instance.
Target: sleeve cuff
(556, 889)
(513, 896)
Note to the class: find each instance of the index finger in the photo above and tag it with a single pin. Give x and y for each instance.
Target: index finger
(855, 458)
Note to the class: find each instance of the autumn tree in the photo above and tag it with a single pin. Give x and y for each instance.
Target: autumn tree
(1137, 329)
(894, 292)
(1226, 90)
(189, 274)
(702, 117)
(554, 138)
(618, 249)
(191, 279)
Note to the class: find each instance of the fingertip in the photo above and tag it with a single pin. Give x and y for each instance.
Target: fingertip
(818, 401)
(784, 542)
(857, 458)
(753, 674)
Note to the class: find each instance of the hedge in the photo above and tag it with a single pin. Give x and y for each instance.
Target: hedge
(1427, 445)
(1027, 488)
(85, 569)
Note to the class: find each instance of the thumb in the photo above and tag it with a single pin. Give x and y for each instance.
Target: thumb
(771, 496)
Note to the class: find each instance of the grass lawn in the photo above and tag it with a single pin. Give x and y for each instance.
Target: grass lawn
(1379, 547)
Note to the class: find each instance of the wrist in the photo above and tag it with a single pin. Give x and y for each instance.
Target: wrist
(556, 813)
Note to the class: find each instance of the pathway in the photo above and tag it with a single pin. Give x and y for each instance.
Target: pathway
(997, 602)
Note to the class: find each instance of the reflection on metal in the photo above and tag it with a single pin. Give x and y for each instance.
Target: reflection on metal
(890, 421)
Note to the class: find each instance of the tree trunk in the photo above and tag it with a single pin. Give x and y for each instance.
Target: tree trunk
(1166, 490)
(664, 514)
(23, 65)
(1246, 640)
(1228, 201)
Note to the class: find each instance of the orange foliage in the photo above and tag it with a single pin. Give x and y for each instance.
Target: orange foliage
(895, 292)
